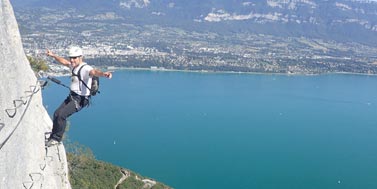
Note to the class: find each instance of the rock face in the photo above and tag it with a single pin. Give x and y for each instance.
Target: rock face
(24, 160)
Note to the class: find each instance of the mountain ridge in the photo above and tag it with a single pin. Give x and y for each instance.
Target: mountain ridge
(342, 20)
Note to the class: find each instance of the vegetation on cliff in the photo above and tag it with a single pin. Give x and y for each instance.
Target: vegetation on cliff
(87, 172)
(37, 64)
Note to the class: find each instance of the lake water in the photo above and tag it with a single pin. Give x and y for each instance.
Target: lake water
(207, 130)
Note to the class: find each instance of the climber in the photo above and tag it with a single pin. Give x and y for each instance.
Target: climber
(79, 93)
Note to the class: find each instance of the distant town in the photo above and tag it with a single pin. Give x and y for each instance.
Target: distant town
(110, 41)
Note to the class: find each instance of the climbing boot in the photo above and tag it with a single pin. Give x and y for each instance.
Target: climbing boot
(52, 142)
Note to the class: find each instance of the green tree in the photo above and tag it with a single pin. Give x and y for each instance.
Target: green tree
(37, 64)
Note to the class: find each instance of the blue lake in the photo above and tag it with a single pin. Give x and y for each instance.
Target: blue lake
(218, 130)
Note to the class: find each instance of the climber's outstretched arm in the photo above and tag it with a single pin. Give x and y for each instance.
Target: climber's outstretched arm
(62, 60)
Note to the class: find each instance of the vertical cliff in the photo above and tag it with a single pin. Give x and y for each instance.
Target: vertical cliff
(24, 160)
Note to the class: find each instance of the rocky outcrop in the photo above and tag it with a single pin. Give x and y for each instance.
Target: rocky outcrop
(24, 160)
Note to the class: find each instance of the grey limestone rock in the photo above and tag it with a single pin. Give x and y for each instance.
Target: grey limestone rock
(24, 160)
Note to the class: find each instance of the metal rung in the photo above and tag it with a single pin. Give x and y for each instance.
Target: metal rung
(36, 177)
(19, 105)
(10, 114)
(24, 97)
(42, 83)
(43, 166)
(28, 184)
(32, 89)
(35, 88)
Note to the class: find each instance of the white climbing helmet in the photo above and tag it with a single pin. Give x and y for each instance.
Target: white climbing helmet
(75, 51)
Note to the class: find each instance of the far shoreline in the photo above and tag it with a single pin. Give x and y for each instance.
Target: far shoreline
(233, 72)
(114, 69)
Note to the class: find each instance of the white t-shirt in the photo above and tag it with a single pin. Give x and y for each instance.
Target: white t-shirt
(76, 85)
